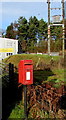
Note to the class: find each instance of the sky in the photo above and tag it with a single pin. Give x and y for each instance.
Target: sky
(11, 10)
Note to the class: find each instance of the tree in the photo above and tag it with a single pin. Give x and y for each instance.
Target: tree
(32, 34)
(42, 45)
(10, 32)
(22, 28)
(42, 30)
(23, 32)
(33, 29)
(56, 37)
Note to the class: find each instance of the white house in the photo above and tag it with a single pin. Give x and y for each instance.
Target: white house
(8, 47)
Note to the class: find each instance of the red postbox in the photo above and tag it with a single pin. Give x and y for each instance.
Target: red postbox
(25, 72)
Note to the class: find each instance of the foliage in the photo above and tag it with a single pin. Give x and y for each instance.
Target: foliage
(18, 111)
(42, 30)
(32, 35)
(47, 68)
(44, 101)
(22, 32)
(11, 32)
(44, 59)
(43, 96)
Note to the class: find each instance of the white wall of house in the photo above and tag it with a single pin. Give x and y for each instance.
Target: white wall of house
(8, 47)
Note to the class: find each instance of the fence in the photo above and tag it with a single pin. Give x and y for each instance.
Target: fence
(8, 75)
(7, 69)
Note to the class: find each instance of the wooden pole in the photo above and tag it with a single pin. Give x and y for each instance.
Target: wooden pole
(25, 101)
(63, 41)
(48, 39)
(63, 26)
(48, 1)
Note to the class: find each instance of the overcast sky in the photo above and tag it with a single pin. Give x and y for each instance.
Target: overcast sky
(11, 10)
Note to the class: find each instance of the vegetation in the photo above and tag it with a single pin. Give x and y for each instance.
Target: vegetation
(46, 68)
(32, 35)
(44, 58)
(48, 72)
(18, 111)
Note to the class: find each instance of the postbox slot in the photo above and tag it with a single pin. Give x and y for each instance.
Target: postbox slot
(28, 69)
(28, 63)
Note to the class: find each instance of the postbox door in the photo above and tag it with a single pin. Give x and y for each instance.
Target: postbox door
(28, 74)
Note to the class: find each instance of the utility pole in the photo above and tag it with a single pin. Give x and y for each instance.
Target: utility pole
(55, 24)
(63, 27)
(48, 1)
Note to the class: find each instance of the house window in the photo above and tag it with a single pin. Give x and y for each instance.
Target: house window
(11, 53)
(8, 54)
